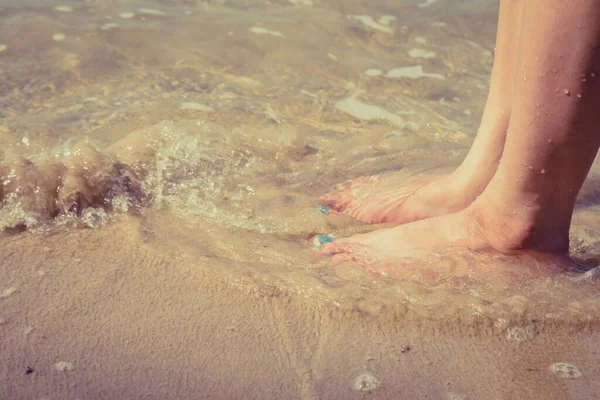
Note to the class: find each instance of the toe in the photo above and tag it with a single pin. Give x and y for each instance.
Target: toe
(323, 209)
(339, 203)
(333, 200)
(366, 179)
(337, 247)
(340, 258)
(344, 194)
(320, 240)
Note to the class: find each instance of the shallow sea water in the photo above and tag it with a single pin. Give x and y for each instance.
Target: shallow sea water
(213, 127)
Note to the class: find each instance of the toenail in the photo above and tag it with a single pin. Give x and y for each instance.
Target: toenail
(323, 209)
(324, 239)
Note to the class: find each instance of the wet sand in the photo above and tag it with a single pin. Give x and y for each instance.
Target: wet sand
(135, 322)
(161, 162)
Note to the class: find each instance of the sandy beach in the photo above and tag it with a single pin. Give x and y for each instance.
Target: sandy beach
(161, 164)
(132, 322)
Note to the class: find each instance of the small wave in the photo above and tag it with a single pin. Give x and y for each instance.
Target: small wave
(82, 187)
(199, 169)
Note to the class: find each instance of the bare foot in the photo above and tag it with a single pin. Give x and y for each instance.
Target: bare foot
(394, 199)
(466, 234)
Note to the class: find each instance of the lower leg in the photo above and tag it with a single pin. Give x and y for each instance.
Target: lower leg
(554, 132)
(481, 162)
(551, 143)
(377, 202)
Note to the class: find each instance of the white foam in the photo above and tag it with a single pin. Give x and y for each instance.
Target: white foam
(420, 39)
(259, 30)
(195, 106)
(7, 292)
(420, 53)
(427, 3)
(63, 8)
(151, 11)
(386, 19)
(109, 25)
(439, 24)
(332, 56)
(126, 15)
(58, 37)
(370, 22)
(307, 3)
(373, 72)
(413, 72)
(3, 47)
(367, 112)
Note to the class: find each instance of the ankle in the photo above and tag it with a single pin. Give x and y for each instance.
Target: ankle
(514, 226)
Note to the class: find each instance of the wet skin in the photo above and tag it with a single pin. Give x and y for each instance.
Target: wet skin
(523, 203)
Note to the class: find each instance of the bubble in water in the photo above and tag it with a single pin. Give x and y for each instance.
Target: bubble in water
(64, 366)
(120, 204)
(94, 217)
(366, 383)
(566, 370)
(520, 333)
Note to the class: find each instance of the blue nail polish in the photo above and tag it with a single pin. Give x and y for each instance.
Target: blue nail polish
(323, 209)
(324, 239)
(319, 248)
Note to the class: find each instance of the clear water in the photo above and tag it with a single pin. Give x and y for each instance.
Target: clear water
(212, 127)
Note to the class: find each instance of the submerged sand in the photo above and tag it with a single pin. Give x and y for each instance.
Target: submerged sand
(161, 163)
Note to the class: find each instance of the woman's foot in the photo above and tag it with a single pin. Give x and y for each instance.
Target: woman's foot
(394, 199)
(381, 199)
(483, 233)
